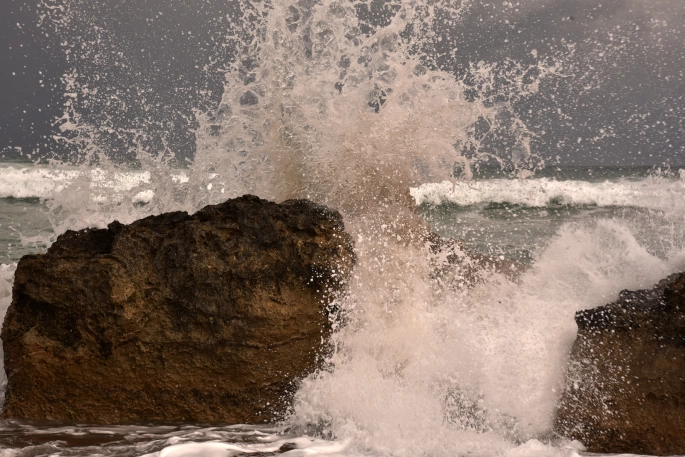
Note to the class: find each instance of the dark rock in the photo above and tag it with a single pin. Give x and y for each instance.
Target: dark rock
(625, 387)
(249, 98)
(212, 317)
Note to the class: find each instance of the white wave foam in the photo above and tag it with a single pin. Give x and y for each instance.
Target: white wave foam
(6, 281)
(300, 446)
(34, 182)
(652, 193)
(46, 182)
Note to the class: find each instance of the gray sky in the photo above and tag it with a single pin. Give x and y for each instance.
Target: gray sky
(622, 102)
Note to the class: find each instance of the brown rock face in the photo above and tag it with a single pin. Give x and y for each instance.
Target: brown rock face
(625, 390)
(212, 317)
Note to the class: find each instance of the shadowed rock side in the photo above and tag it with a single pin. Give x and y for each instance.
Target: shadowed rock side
(212, 317)
(625, 388)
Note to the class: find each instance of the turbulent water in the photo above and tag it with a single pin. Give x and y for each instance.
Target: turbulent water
(352, 108)
(412, 357)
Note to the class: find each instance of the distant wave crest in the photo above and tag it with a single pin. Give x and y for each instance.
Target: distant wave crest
(651, 193)
(45, 182)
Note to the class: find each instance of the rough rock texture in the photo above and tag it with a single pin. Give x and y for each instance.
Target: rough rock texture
(212, 317)
(625, 390)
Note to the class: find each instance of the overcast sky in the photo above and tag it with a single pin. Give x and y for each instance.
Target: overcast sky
(625, 69)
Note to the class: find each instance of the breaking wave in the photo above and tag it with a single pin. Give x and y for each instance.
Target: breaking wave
(649, 193)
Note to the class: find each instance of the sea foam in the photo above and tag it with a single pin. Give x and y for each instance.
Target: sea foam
(651, 193)
(6, 281)
(45, 182)
(647, 192)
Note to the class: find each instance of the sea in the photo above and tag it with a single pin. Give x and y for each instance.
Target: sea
(580, 234)
(493, 214)
(348, 104)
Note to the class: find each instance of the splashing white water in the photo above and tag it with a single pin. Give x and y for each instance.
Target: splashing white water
(456, 374)
(315, 105)
(6, 281)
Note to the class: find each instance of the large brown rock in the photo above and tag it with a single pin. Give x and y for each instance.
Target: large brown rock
(625, 388)
(212, 317)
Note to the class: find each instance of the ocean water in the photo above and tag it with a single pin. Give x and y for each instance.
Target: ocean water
(351, 104)
(514, 218)
(580, 234)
